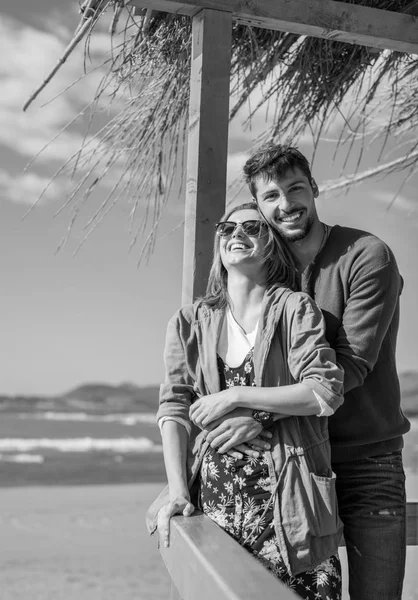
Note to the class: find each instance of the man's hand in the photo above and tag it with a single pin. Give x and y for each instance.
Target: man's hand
(178, 506)
(232, 432)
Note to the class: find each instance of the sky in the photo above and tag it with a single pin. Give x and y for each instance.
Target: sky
(95, 316)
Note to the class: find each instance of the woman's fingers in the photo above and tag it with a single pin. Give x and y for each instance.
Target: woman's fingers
(176, 507)
(241, 448)
(265, 433)
(216, 440)
(234, 454)
(188, 510)
(163, 522)
(259, 442)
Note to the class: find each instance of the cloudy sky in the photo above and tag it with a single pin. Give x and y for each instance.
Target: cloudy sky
(96, 316)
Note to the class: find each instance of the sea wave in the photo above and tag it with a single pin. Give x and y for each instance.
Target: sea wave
(22, 458)
(85, 444)
(123, 418)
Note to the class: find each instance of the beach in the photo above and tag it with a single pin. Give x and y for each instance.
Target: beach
(90, 543)
(79, 543)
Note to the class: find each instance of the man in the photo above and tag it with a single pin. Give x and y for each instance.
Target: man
(353, 277)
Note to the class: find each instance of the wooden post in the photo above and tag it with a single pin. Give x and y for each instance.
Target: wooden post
(207, 145)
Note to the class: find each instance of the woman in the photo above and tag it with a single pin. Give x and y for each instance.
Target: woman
(253, 343)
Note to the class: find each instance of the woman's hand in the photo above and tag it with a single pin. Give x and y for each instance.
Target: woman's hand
(213, 407)
(253, 448)
(180, 505)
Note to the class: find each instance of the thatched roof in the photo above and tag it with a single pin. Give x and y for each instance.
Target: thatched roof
(305, 80)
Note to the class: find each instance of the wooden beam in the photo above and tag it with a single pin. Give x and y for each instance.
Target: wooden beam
(328, 19)
(205, 562)
(207, 151)
(412, 523)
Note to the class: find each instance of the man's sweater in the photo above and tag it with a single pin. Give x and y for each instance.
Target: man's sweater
(355, 280)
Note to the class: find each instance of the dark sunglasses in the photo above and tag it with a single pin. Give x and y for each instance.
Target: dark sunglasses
(251, 228)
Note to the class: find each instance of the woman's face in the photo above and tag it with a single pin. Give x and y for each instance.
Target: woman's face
(241, 248)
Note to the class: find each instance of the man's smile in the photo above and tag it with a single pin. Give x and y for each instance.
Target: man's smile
(291, 218)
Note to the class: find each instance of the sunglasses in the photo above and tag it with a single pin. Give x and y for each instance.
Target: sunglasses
(251, 228)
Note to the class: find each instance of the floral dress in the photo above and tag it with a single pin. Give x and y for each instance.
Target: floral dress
(236, 494)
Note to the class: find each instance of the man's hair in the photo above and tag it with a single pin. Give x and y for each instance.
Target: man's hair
(278, 260)
(272, 162)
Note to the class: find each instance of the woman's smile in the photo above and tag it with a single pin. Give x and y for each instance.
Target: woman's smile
(237, 245)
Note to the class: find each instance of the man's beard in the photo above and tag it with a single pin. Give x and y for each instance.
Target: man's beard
(299, 235)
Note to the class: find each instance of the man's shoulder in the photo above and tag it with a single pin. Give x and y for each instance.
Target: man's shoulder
(346, 244)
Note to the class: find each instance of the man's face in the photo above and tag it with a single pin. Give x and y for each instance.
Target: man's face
(288, 204)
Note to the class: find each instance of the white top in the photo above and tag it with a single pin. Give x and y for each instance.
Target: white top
(234, 344)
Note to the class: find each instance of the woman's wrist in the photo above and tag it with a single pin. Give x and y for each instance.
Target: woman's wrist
(179, 492)
(240, 397)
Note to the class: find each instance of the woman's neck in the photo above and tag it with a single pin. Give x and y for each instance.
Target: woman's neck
(246, 298)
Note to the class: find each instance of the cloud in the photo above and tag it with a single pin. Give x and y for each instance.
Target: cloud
(30, 55)
(25, 188)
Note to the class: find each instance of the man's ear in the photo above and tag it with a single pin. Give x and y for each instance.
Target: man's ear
(315, 188)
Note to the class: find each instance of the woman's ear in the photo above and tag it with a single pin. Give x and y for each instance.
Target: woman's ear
(314, 188)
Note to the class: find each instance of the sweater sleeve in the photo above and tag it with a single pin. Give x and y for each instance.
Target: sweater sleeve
(373, 300)
(311, 360)
(178, 390)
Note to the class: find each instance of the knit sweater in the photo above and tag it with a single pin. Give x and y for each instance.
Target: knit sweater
(355, 281)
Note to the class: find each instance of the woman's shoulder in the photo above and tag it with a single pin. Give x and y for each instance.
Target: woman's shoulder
(185, 313)
(291, 298)
(192, 312)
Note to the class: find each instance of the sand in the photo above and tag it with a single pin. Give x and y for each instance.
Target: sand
(90, 543)
(79, 543)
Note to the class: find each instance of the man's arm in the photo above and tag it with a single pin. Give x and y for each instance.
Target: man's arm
(372, 307)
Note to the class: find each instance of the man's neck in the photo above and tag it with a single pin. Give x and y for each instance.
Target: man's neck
(305, 250)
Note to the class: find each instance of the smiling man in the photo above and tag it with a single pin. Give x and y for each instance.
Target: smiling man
(353, 277)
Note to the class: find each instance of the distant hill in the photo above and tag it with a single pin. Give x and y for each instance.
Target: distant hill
(128, 397)
(90, 397)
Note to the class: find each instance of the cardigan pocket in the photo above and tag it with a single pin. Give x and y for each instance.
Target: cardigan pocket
(324, 505)
(308, 504)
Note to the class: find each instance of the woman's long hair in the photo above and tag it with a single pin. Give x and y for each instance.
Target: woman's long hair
(277, 258)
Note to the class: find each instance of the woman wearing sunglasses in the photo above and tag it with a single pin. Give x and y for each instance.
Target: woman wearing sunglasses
(254, 348)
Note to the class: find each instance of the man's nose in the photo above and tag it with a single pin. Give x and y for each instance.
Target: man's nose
(284, 202)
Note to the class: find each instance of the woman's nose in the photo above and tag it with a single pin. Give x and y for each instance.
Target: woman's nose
(238, 231)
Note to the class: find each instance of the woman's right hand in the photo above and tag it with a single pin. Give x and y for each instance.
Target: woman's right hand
(180, 505)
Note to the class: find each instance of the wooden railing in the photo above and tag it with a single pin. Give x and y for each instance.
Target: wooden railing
(206, 563)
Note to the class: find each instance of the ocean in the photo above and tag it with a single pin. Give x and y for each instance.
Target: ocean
(77, 448)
